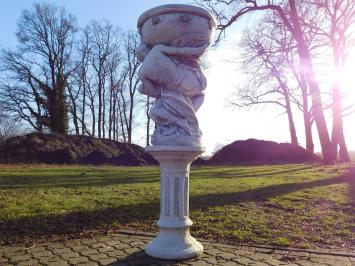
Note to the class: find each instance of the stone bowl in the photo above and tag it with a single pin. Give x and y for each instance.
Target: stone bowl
(166, 23)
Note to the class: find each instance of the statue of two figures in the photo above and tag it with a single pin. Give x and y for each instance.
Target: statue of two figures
(173, 40)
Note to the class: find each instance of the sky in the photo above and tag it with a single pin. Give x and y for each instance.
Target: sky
(219, 121)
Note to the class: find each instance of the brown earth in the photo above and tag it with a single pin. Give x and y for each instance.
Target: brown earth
(253, 151)
(71, 149)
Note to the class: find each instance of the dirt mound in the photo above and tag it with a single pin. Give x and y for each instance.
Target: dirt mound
(71, 149)
(253, 151)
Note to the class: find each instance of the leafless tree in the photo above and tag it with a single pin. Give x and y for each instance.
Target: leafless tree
(264, 58)
(335, 22)
(9, 126)
(229, 12)
(129, 90)
(37, 71)
(84, 85)
(115, 81)
(105, 43)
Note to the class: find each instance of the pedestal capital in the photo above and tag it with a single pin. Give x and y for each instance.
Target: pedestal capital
(175, 152)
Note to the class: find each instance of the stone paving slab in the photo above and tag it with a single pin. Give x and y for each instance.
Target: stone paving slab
(128, 249)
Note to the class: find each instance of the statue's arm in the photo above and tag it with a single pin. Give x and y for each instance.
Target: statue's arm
(182, 51)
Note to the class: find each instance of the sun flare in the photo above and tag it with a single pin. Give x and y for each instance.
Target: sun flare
(346, 77)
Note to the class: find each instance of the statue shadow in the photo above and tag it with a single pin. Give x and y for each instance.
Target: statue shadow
(141, 258)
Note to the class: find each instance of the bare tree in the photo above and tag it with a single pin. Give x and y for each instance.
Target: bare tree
(335, 23)
(37, 71)
(265, 59)
(269, 56)
(114, 85)
(289, 15)
(105, 42)
(128, 91)
(9, 126)
(148, 103)
(83, 81)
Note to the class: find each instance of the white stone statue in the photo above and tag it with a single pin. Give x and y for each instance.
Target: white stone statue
(174, 38)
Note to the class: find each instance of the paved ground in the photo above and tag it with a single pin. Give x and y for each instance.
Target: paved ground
(127, 249)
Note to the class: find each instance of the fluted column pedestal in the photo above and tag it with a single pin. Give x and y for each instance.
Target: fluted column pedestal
(174, 240)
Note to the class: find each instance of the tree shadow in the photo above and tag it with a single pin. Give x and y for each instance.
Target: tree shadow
(145, 214)
(258, 173)
(261, 194)
(74, 181)
(83, 178)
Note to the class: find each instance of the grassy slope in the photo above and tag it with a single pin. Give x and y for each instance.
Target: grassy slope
(296, 205)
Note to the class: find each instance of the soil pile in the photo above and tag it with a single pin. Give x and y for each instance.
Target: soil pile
(71, 149)
(253, 151)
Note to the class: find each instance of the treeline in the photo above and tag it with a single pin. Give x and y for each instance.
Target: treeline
(283, 55)
(61, 78)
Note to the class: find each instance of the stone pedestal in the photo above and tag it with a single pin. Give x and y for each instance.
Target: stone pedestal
(174, 240)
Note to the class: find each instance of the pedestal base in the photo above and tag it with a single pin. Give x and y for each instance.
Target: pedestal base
(174, 240)
(172, 243)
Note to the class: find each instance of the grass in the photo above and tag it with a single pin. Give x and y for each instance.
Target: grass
(289, 205)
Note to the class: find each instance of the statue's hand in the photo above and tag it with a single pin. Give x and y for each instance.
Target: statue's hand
(149, 90)
(142, 51)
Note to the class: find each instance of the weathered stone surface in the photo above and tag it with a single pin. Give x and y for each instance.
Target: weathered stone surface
(59, 263)
(88, 252)
(116, 254)
(70, 255)
(107, 261)
(78, 260)
(60, 251)
(19, 258)
(173, 39)
(44, 253)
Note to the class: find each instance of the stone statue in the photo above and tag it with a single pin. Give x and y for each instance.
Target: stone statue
(174, 38)
(173, 41)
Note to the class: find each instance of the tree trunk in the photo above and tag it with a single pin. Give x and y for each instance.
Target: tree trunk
(113, 118)
(93, 116)
(130, 119)
(286, 95)
(83, 107)
(123, 120)
(306, 114)
(308, 71)
(99, 115)
(75, 119)
(103, 108)
(74, 110)
(291, 123)
(338, 138)
(57, 109)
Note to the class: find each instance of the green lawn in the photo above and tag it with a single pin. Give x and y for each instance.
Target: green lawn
(292, 205)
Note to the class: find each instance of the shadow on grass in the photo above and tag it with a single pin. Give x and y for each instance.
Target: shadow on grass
(258, 173)
(145, 214)
(87, 178)
(263, 193)
(80, 180)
